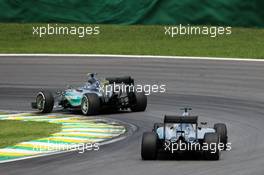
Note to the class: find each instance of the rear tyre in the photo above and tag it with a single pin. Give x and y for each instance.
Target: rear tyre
(138, 102)
(221, 130)
(212, 140)
(44, 101)
(149, 146)
(90, 104)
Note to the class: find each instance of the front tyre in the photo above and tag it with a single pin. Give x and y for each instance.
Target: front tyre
(149, 146)
(90, 104)
(45, 102)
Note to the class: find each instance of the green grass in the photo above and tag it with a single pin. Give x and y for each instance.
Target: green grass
(13, 131)
(145, 40)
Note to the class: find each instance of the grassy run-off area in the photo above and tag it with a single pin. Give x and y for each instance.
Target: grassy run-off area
(139, 40)
(13, 131)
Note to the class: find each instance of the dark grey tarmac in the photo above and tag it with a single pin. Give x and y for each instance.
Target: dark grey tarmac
(218, 91)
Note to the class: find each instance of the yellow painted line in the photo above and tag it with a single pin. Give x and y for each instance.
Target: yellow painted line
(80, 135)
(86, 140)
(68, 140)
(68, 125)
(14, 154)
(41, 147)
(37, 144)
(93, 130)
(17, 152)
(34, 146)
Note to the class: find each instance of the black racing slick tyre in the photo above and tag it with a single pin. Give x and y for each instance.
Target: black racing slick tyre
(90, 104)
(212, 141)
(138, 102)
(44, 101)
(149, 146)
(221, 130)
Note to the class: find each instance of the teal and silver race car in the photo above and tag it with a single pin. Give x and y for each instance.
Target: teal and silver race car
(181, 135)
(111, 94)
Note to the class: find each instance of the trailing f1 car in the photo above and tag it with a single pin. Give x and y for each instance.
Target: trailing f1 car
(111, 94)
(181, 134)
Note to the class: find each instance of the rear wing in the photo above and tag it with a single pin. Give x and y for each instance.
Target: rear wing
(118, 80)
(180, 119)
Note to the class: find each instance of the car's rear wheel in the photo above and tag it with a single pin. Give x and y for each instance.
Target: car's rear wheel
(212, 140)
(45, 101)
(138, 102)
(90, 104)
(221, 130)
(149, 146)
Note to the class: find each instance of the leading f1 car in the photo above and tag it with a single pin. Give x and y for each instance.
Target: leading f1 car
(181, 134)
(96, 96)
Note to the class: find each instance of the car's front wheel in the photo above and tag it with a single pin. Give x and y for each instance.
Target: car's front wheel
(90, 104)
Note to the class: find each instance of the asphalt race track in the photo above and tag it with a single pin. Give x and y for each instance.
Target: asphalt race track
(218, 91)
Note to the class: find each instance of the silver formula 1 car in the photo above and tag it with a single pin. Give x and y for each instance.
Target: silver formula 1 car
(181, 134)
(111, 94)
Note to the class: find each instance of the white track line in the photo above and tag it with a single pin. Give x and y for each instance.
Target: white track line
(132, 56)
